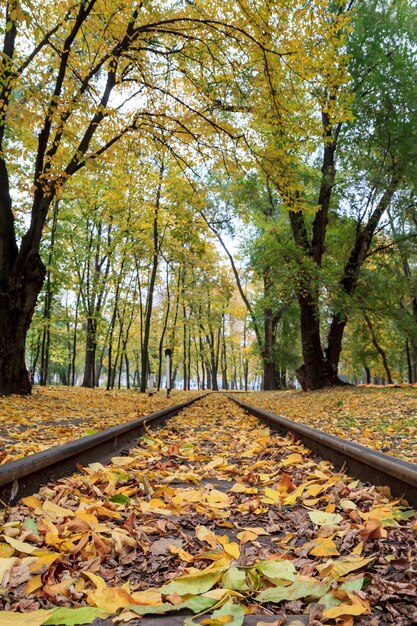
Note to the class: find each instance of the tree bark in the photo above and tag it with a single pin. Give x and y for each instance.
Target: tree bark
(313, 374)
(378, 348)
(89, 379)
(46, 332)
(149, 301)
(17, 304)
(409, 362)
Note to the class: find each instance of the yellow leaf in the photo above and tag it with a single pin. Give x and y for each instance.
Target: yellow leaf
(256, 529)
(110, 599)
(6, 551)
(218, 594)
(341, 567)
(196, 583)
(238, 488)
(246, 535)
(232, 549)
(43, 562)
(33, 584)
(55, 511)
(98, 581)
(358, 549)
(204, 534)
(324, 546)
(272, 495)
(20, 546)
(218, 499)
(183, 554)
(292, 459)
(104, 512)
(32, 502)
(89, 518)
(357, 607)
(216, 462)
(149, 597)
(294, 495)
(125, 616)
(37, 618)
(322, 518)
(314, 489)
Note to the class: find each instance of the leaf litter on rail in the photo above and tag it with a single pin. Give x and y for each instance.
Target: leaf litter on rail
(213, 515)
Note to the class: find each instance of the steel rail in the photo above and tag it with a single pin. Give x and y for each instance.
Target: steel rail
(25, 476)
(357, 460)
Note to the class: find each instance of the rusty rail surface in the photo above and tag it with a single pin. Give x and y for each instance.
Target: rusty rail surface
(357, 460)
(25, 476)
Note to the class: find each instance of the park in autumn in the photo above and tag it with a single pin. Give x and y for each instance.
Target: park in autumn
(208, 312)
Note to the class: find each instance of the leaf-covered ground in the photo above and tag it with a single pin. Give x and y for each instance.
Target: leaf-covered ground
(380, 418)
(55, 415)
(212, 514)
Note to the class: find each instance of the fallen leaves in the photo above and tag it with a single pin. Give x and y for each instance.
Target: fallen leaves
(380, 418)
(55, 415)
(222, 517)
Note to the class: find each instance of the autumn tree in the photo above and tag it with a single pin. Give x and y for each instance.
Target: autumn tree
(71, 73)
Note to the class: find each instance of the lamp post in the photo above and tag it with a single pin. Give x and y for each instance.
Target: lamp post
(168, 354)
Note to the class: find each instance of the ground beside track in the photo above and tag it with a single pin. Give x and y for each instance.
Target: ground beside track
(383, 418)
(53, 416)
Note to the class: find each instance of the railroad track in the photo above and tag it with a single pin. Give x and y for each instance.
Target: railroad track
(223, 459)
(356, 460)
(25, 476)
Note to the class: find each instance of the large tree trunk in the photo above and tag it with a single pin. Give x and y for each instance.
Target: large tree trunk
(17, 305)
(313, 374)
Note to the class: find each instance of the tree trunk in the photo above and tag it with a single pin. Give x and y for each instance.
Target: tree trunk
(164, 329)
(34, 351)
(46, 334)
(89, 379)
(17, 305)
(409, 363)
(184, 347)
(270, 373)
(225, 383)
(214, 358)
(208, 374)
(379, 349)
(351, 272)
(313, 374)
(149, 300)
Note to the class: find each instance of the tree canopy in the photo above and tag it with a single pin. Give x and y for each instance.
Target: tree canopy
(232, 182)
